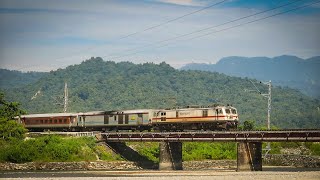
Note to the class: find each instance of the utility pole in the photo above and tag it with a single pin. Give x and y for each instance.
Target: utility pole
(268, 95)
(269, 102)
(65, 105)
(268, 148)
(58, 100)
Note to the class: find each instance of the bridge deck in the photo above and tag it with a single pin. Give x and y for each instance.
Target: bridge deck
(208, 136)
(211, 136)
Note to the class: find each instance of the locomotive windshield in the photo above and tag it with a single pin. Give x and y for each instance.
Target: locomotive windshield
(234, 111)
(228, 111)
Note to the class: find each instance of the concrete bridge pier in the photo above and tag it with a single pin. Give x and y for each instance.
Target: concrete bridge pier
(170, 156)
(249, 156)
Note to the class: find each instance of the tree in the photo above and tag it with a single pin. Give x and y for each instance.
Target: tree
(248, 125)
(9, 128)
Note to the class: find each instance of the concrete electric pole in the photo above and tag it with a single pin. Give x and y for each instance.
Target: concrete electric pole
(268, 95)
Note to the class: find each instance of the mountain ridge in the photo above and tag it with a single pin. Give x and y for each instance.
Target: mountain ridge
(291, 71)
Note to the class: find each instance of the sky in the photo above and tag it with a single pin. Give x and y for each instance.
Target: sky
(44, 35)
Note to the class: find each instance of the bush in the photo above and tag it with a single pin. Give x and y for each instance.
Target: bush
(150, 150)
(49, 148)
(314, 148)
(106, 154)
(201, 151)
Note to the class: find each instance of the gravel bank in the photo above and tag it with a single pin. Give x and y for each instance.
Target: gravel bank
(267, 174)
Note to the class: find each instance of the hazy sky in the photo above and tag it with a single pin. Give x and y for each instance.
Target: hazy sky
(44, 35)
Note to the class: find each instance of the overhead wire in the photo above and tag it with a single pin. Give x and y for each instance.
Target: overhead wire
(225, 29)
(207, 28)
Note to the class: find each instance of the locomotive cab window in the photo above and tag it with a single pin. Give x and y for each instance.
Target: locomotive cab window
(219, 111)
(234, 111)
(228, 111)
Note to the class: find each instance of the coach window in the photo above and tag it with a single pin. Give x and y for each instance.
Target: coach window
(115, 118)
(56, 120)
(60, 120)
(64, 120)
(46, 121)
(41, 121)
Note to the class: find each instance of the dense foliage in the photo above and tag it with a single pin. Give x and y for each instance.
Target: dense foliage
(9, 128)
(55, 148)
(99, 85)
(291, 71)
(15, 79)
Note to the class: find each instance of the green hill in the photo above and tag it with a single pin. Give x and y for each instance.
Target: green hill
(14, 79)
(99, 85)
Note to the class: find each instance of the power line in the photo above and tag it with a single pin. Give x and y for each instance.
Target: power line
(144, 30)
(172, 20)
(232, 27)
(207, 28)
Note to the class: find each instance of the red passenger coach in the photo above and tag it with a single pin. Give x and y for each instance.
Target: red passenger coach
(54, 121)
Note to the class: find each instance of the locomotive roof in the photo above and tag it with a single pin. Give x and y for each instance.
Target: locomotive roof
(92, 113)
(48, 115)
(136, 111)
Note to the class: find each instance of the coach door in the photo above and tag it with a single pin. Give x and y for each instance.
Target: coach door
(140, 118)
(218, 113)
(126, 119)
(120, 119)
(205, 113)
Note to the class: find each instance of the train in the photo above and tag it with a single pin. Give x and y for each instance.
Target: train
(216, 117)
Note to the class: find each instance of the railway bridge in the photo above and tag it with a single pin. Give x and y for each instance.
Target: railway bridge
(249, 143)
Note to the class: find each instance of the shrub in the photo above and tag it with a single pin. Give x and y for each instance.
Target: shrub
(150, 150)
(49, 148)
(201, 151)
(106, 154)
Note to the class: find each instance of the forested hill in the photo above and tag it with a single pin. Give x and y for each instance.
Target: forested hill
(99, 85)
(14, 79)
(291, 71)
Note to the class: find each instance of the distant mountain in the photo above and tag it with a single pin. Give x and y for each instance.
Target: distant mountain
(290, 71)
(14, 79)
(99, 85)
